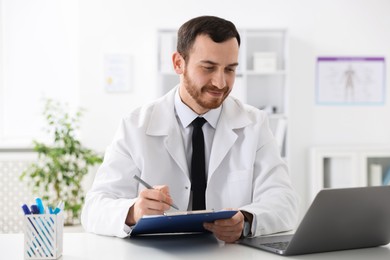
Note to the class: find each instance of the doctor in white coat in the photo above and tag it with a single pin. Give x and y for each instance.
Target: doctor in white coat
(243, 166)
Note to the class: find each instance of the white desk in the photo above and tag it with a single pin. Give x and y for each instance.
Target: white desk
(84, 246)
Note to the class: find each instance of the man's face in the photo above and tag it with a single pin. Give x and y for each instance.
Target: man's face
(209, 73)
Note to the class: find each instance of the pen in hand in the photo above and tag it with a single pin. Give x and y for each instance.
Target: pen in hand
(148, 186)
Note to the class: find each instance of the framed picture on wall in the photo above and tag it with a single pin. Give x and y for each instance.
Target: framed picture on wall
(118, 73)
(350, 81)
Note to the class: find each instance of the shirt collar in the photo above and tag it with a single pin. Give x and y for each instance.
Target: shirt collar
(187, 115)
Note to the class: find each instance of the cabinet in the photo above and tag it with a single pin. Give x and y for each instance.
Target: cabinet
(261, 75)
(341, 167)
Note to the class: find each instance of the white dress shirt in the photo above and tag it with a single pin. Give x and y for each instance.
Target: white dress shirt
(185, 116)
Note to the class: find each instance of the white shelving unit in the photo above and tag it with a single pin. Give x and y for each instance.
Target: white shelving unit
(260, 82)
(341, 167)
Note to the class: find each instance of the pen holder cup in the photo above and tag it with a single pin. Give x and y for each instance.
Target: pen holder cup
(43, 236)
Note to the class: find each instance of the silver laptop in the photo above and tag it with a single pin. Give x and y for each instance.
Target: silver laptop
(338, 219)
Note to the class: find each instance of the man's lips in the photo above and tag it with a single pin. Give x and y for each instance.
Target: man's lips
(216, 92)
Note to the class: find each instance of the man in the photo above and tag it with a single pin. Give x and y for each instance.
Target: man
(243, 168)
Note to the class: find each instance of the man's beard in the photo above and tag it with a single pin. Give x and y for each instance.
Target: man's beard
(198, 95)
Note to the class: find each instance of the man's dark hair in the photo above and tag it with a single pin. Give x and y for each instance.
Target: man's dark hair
(218, 29)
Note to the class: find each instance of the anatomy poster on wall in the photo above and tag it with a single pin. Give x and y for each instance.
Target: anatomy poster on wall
(350, 81)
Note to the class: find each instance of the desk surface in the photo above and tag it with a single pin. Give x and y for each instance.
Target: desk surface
(89, 246)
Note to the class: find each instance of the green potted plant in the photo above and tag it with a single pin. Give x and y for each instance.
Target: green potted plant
(61, 166)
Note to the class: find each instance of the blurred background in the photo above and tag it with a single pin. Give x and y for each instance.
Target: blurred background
(107, 56)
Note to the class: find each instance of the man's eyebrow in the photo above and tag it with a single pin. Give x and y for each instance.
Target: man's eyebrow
(215, 63)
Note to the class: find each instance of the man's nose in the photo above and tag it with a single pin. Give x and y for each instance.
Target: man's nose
(219, 79)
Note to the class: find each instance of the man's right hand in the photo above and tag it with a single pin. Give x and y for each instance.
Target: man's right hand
(150, 202)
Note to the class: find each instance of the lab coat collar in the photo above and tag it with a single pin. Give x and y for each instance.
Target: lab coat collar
(163, 123)
(162, 119)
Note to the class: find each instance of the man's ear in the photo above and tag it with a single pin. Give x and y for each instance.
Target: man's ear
(178, 63)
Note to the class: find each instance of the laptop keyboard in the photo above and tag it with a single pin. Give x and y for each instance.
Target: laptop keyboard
(278, 245)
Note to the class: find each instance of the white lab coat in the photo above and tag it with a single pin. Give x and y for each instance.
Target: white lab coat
(245, 168)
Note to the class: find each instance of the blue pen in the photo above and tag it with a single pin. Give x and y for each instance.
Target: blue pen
(59, 207)
(27, 211)
(34, 209)
(40, 205)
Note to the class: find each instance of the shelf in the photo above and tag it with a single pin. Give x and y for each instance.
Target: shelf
(341, 167)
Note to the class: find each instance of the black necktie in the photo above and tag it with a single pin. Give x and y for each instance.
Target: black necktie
(198, 168)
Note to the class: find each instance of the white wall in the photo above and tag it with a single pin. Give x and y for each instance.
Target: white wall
(331, 27)
(38, 59)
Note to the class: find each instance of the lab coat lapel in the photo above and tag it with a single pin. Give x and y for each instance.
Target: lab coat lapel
(163, 123)
(175, 147)
(224, 139)
(231, 118)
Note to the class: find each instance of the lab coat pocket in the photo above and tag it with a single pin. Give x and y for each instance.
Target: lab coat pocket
(239, 175)
(239, 187)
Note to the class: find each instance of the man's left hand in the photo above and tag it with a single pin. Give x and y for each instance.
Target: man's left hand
(228, 230)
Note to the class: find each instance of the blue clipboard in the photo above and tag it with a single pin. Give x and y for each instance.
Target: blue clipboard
(185, 222)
